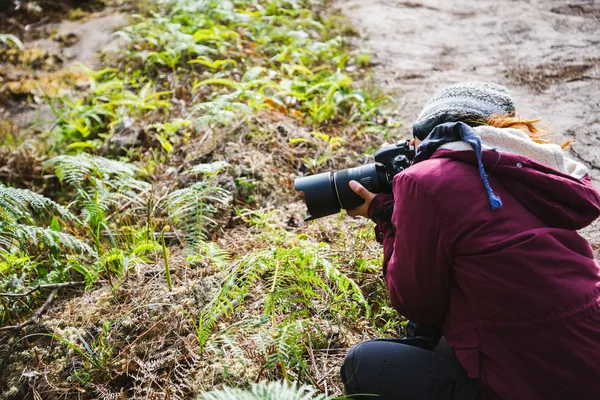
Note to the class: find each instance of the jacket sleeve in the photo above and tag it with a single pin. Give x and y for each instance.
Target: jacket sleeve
(418, 270)
(380, 211)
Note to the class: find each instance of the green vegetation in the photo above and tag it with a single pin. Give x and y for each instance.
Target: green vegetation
(11, 41)
(167, 191)
(265, 391)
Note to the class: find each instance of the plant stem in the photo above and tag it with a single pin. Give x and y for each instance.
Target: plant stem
(6, 310)
(272, 294)
(166, 257)
(108, 273)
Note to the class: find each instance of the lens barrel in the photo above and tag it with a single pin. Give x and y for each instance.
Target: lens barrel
(319, 194)
(327, 193)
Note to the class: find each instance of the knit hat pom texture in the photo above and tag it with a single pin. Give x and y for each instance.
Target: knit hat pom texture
(467, 102)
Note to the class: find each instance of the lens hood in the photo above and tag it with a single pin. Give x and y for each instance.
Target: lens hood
(319, 195)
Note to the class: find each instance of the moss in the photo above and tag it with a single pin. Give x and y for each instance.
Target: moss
(76, 14)
(65, 39)
(31, 59)
(43, 85)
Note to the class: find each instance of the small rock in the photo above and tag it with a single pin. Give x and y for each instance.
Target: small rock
(82, 85)
(65, 39)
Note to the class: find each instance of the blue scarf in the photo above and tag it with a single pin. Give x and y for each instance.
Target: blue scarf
(454, 132)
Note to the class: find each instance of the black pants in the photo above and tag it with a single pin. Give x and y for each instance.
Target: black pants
(401, 369)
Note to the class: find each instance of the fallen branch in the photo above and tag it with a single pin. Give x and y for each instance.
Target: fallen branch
(45, 286)
(35, 316)
(9, 174)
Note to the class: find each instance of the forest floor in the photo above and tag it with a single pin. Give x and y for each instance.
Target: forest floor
(196, 118)
(547, 52)
(188, 235)
(58, 40)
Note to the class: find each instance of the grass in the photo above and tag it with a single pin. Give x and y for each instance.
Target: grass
(168, 191)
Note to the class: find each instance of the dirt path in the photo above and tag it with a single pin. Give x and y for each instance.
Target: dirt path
(67, 44)
(547, 52)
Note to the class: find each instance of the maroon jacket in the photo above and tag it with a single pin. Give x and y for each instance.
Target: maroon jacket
(517, 290)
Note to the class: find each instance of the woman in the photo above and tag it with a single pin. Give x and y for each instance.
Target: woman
(483, 241)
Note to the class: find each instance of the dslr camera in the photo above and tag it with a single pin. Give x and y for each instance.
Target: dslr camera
(328, 192)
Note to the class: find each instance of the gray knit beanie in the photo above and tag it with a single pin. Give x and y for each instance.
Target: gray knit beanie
(467, 102)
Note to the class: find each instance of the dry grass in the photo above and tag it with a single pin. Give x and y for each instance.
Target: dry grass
(129, 336)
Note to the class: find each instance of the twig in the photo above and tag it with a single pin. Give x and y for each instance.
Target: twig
(25, 176)
(312, 357)
(138, 338)
(45, 286)
(35, 316)
(340, 350)
(327, 374)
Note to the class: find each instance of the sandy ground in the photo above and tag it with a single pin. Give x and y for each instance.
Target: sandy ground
(546, 52)
(93, 34)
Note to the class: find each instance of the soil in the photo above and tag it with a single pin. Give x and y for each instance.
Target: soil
(28, 19)
(80, 41)
(49, 64)
(547, 52)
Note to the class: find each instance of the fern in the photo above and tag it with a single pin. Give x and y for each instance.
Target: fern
(266, 391)
(82, 169)
(284, 347)
(232, 290)
(26, 236)
(211, 252)
(101, 184)
(304, 276)
(58, 241)
(23, 205)
(221, 111)
(20, 212)
(296, 279)
(192, 208)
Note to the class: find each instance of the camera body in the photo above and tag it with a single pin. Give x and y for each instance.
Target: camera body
(395, 158)
(328, 192)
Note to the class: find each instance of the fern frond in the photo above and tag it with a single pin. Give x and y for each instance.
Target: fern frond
(233, 288)
(61, 241)
(79, 169)
(266, 391)
(284, 346)
(20, 235)
(344, 284)
(208, 169)
(8, 237)
(23, 205)
(101, 184)
(214, 254)
(96, 205)
(192, 208)
(222, 111)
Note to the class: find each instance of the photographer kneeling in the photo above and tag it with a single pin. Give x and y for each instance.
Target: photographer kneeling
(493, 262)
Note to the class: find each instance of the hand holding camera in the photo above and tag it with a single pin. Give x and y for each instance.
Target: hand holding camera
(328, 192)
(363, 209)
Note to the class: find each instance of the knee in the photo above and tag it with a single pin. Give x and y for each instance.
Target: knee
(349, 360)
(349, 369)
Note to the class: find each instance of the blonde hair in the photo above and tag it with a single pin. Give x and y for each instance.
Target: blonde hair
(526, 125)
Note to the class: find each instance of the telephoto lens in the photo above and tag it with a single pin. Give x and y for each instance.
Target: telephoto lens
(328, 192)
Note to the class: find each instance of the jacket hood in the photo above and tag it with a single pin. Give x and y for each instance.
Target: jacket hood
(559, 199)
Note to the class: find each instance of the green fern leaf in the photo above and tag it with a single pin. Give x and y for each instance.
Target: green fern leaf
(266, 391)
(192, 208)
(24, 205)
